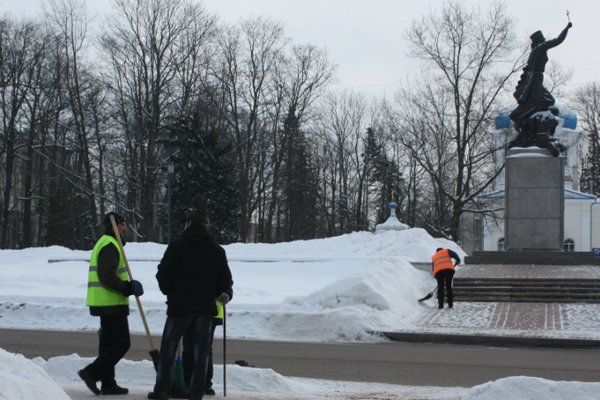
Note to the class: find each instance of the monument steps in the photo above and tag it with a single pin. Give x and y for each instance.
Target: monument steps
(529, 290)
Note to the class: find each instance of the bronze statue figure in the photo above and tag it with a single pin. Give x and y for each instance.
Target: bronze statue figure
(532, 97)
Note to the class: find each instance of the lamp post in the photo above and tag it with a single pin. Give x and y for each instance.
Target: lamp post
(170, 173)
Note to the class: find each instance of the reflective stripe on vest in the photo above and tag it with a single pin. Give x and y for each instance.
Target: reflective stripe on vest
(220, 310)
(442, 260)
(98, 295)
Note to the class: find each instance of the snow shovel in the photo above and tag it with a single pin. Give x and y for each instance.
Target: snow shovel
(430, 295)
(177, 391)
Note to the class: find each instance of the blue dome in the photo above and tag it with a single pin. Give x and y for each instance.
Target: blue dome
(393, 205)
(564, 112)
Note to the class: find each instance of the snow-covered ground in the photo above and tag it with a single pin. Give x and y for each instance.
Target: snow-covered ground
(336, 289)
(358, 283)
(56, 379)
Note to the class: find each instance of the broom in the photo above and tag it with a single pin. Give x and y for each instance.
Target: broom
(178, 371)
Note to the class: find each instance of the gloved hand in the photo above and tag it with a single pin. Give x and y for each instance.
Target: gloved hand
(569, 25)
(137, 287)
(223, 298)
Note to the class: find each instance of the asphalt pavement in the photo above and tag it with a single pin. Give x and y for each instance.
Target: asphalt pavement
(415, 364)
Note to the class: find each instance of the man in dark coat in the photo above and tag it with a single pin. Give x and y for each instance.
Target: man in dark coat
(108, 298)
(192, 274)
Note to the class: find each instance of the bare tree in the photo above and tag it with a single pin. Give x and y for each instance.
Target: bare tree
(586, 102)
(342, 125)
(443, 118)
(557, 77)
(68, 21)
(245, 71)
(151, 48)
(22, 46)
(299, 80)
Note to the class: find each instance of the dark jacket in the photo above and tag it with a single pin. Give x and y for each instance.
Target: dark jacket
(193, 272)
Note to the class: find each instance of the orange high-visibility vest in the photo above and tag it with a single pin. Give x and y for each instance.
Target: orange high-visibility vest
(442, 260)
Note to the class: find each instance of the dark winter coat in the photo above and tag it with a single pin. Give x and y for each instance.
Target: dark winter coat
(193, 272)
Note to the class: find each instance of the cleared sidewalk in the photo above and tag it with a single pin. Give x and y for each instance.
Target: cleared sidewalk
(510, 323)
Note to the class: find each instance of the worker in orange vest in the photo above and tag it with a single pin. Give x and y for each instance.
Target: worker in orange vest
(443, 271)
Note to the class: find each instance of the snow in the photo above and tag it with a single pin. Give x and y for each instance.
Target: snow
(16, 376)
(528, 388)
(337, 289)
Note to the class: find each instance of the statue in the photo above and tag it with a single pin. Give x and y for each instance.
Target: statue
(533, 98)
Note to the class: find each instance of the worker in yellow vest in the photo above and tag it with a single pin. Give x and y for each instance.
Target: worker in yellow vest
(443, 271)
(108, 298)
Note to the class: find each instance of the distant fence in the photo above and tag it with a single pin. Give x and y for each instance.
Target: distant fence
(423, 266)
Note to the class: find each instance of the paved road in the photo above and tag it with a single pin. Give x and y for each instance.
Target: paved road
(389, 362)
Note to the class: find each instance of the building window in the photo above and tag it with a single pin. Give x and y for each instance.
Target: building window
(501, 244)
(569, 245)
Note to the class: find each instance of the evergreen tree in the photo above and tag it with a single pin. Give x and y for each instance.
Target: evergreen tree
(299, 187)
(204, 179)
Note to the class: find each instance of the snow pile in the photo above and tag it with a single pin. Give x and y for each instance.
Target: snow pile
(528, 388)
(412, 244)
(380, 296)
(21, 379)
(141, 375)
(17, 374)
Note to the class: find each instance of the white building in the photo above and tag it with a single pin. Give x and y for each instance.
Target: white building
(582, 211)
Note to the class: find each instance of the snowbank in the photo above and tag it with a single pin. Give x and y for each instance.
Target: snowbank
(528, 388)
(21, 379)
(17, 374)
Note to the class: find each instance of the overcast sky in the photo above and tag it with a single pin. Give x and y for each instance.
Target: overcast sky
(365, 37)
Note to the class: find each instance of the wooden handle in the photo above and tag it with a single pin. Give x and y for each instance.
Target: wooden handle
(137, 299)
(224, 352)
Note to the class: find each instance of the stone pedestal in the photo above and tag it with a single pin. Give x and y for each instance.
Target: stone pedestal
(534, 216)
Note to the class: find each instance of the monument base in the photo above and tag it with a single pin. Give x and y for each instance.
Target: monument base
(535, 201)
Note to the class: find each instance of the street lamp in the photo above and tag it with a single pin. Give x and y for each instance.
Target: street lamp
(170, 173)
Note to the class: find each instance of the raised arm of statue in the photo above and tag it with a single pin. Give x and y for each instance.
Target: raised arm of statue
(561, 38)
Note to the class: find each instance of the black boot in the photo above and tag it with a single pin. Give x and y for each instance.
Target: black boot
(209, 391)
(89, 380)
(116, 389)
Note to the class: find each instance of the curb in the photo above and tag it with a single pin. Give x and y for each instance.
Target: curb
(489, 340)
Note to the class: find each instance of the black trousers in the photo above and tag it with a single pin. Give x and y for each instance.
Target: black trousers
(199, 342)
(187, 357)
(444, 278)
(114, 344)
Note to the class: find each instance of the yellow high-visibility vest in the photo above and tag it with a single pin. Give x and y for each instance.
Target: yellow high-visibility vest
(219, 309)
(98, 295)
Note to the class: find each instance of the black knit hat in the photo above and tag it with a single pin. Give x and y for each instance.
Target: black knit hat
(197, 215)
(118, 219)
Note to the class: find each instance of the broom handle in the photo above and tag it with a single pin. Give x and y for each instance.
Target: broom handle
(224, 352)
(137, 299)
